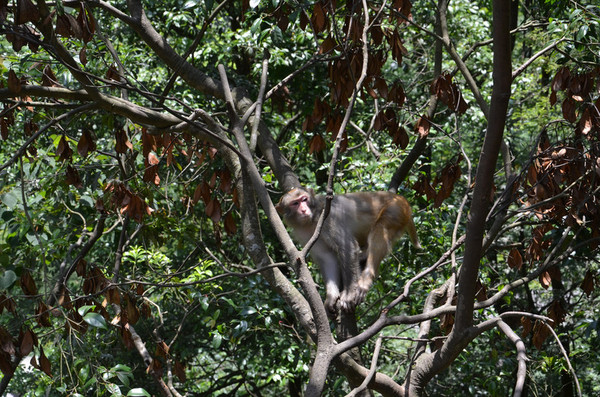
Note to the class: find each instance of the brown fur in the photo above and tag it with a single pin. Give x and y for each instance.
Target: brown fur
(361, 227)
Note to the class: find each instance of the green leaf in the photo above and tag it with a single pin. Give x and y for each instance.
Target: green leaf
(7, 279)
(138, 391)
(582, 32)
(248, 311)
(87, 200)
(217, 340)
(255, 28)
(10, 199)
(84, 309)
(254, 3)
(124, 377)
(95, 320)
(114, 389)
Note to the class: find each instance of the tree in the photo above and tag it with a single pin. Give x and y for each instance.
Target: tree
(159, 236)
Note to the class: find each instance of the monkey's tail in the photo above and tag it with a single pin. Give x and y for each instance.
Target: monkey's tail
(412, 233)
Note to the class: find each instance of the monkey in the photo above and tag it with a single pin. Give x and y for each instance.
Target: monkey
(357, 235)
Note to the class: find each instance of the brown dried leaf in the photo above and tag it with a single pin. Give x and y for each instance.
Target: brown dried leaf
(122, 141)
(86, 144)
(133, 314)
(403, 7)
(303, 20)
(83, 56)
(422, 127)
(515, 259)
(80, 267)
(316, 144)
(585, 122)
(569, 107)
(7, 344)
(283, 22)
(213, 210)
(26, 12)
(7, 303)
(400, 137)
(327, 45)
(545, 279)
(28, 284)
(126, 338)
(382, 87)
(30, 127)
(318, 19)
(179, 370)
(447, 178)
(64, 299)
(43, 315)
(151, 171)
(145, 310)
(45, 363)
(557, 313)
(113, 296)
(33, 362)
(553, 98)
(28, 340)
(112, 74)
(447, 322)
(203, 191)
(75, 322)
(67, 26)
(423, 187)
(63, 150)
(86, 23)
(14, 83)
(72, 177)
(149, 143)
(481, 294)
(49, 78)
(540, 333)
(225, 181)
(3, 128)
(589, 282)
(162, 350)
(527, 326)
(230, 225)
(397, 94)
(561, 79)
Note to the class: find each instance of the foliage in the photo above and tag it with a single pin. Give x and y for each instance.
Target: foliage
(134, 259)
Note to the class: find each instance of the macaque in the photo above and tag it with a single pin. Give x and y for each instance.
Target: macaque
(359, 232)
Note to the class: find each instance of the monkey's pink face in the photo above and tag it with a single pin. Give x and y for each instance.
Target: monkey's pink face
(300, 208)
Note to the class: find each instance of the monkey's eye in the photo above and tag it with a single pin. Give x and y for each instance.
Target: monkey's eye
(304, 199)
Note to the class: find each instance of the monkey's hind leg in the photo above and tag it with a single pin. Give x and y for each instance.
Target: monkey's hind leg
(378, 249)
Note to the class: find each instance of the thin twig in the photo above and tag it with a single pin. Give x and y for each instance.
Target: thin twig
(566, 356)
(521, 356)
(372, 370)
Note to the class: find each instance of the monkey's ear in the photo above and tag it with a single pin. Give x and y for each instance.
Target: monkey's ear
(279, 208)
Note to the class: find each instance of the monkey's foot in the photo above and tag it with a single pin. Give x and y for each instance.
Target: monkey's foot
(349, 300)
(331, 305)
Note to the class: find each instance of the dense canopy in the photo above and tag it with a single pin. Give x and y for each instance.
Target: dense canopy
(143, 145)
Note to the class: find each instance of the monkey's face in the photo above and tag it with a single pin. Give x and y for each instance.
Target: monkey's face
(296, 207)
(301, 208)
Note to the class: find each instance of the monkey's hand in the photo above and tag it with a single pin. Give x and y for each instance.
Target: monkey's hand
(331, 305)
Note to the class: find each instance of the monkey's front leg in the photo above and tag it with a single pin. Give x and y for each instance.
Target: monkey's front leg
(330, 270)
(351, 258)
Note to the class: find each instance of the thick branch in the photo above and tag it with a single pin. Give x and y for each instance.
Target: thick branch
(430, 364)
